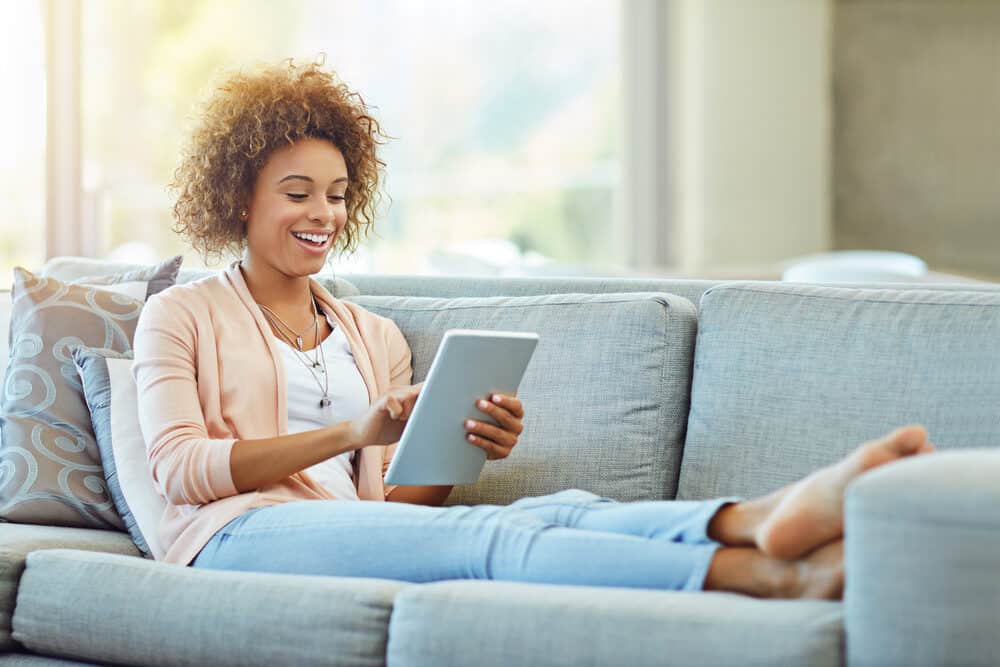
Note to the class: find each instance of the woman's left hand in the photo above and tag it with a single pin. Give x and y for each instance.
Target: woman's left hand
(499, 440)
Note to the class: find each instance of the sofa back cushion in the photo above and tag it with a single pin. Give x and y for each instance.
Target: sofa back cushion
(449, 287)
(606, 393)
(86, 269)
(789, 378)
(468, 286)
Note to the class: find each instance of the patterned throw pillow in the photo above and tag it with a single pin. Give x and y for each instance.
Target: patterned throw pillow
(114, 412)
(50, 470)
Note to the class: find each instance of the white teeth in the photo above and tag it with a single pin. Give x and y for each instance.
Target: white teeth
(315, 238)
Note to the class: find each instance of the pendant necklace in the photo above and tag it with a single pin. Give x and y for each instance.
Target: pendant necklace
(273, 317)
(319, 359)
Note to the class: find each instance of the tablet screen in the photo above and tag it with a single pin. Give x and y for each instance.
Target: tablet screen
(469, 365)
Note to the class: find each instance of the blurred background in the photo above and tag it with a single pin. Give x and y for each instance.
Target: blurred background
(700, 138)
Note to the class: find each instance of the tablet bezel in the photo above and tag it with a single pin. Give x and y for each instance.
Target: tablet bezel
(434, 453)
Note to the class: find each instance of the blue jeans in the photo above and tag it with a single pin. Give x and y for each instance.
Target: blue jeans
(571, 537)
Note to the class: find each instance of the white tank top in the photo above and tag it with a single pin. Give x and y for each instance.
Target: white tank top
(348, 400)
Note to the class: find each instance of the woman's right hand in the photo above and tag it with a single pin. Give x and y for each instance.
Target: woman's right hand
(383, 423)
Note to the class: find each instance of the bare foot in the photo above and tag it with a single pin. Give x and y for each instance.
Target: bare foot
(820, 575)
(746, 570)
(810, 512)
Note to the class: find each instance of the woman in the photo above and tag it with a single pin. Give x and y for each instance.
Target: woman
(270, 408)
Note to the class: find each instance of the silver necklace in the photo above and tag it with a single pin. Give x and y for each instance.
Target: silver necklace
(275, 317)
(319, 360)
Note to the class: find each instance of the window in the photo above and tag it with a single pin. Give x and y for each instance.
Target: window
(505, 152)
(22, 127)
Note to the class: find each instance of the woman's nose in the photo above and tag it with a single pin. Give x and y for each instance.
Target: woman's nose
(322, 211)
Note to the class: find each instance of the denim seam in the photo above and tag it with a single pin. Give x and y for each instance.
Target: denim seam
(311, 524)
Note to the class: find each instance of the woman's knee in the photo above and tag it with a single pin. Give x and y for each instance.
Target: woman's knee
(565, 497)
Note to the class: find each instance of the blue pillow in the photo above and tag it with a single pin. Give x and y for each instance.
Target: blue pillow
(111, 397)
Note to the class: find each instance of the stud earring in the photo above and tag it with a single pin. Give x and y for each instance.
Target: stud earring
(243, 214)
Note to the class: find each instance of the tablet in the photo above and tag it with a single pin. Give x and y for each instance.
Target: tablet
(469, 365)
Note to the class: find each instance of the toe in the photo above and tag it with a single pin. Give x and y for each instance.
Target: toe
(908, 439)
(903, 442)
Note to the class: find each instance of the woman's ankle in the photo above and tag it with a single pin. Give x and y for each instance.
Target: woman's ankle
(737, 524)
(750, 572)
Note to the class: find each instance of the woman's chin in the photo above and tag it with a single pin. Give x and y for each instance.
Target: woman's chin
(312, 268)
(309, 259)
(303, 269)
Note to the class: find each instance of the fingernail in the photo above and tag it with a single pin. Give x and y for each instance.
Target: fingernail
(470, 424)
(483, 404)
(471, 438)
(496, 398)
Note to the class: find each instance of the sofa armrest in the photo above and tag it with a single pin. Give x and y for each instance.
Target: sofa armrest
(923, 562)
(17, 540)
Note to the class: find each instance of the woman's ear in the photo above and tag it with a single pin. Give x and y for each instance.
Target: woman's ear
(244, 216)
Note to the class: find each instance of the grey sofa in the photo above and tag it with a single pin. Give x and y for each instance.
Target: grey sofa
(640, 389)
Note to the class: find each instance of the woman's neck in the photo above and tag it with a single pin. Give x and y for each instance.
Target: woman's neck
(271, 288)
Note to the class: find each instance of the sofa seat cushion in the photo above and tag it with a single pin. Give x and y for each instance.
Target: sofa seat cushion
(789, 378)
(605, 394)
(33, 660)
(18, 540)
(498, 624)
(107, 608)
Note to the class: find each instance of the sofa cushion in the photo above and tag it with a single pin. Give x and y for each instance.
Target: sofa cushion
(474, 286)
(153, 613)
(480, 286)
(33, 660)
(113, 401)
(50, 469)
(18, 540)
(790, 378)
(138, 281)
(605, 395)
(74, 268)
(496, 623)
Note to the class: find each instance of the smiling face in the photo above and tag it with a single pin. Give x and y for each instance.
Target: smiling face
(297, 208)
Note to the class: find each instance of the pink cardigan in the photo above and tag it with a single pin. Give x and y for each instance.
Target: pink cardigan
(208, 373)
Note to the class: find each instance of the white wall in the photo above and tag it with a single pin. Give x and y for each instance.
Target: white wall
(916, 139)
(750, 131)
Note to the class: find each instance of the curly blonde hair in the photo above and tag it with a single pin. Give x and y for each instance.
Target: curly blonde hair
(248, 118)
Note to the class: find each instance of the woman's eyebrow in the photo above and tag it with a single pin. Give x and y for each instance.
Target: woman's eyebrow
(342, 179)
(293, 176)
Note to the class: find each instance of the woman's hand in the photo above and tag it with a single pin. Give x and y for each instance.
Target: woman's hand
(383, 423)
(499, 440)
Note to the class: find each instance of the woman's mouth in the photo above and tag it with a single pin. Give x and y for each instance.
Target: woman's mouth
(313, 242)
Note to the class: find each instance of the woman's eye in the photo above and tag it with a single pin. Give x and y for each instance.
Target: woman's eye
(295, 196)
(336, 198)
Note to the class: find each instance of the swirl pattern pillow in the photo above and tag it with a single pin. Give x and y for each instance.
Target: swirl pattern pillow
(50, 467)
